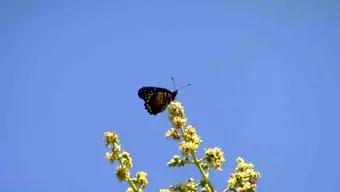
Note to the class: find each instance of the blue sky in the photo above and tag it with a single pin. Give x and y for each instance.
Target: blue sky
(265, 81)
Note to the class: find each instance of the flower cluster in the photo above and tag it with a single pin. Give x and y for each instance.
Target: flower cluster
(125, 163)
(244, 177)
(214, 158)
(191, 141)
(173, 134)
(188, 146)
(176, 161)
(189, 186)
(140, 180)
(177, 115)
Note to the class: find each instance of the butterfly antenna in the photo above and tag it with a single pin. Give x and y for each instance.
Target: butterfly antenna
(187, 85)
(173, 82)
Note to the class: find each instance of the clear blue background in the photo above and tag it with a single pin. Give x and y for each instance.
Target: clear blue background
(265, 85)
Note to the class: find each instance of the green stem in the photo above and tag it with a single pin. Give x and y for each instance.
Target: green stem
(199, 166)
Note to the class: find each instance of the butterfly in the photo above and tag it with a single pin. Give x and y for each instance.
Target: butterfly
(156, 99)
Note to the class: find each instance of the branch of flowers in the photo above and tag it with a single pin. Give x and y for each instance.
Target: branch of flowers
(198, 165)
(129, 180)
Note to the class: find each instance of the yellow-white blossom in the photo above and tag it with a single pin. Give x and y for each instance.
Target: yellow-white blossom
(190, 135)
(188, 147)
(122, 173)
(214, 157)
(173, 134)
(126, 160)
(141, 179)
(112, 156)
(111, 139)
(244, 178)
(176, 114)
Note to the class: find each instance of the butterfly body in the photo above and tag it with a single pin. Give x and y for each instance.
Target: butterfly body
(156, 99)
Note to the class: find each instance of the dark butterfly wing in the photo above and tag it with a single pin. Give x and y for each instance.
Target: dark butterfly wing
(156, 99)
(145, 92)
